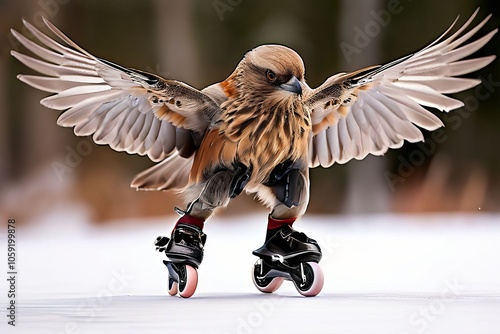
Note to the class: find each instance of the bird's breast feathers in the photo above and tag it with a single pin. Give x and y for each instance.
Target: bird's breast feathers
(258, 136)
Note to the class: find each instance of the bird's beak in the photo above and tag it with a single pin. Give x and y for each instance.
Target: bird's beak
(292, 85)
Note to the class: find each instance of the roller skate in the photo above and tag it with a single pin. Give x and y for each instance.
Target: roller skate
(288, 255)
(184, 250)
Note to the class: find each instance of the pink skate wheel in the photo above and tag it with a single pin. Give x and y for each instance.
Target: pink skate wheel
(172, 287)
(272, 286)
(189, 282)
(267, 287)
(314, 280)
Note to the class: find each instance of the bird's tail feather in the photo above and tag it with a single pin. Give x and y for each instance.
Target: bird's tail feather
(170, 174)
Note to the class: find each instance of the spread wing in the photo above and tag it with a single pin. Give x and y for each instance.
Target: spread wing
(374, 109)
(129, 110)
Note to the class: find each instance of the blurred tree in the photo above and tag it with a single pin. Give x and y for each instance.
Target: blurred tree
(177, 47)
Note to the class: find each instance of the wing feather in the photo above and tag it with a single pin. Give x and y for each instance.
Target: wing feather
(333, 143)
(322, 147)
(356, 135)
(171, 173)
(111, 123)
(444, 85)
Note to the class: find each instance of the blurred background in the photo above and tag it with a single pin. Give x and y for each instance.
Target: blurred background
(44, 168)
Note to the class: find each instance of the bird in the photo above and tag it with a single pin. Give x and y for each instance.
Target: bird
(258, 131)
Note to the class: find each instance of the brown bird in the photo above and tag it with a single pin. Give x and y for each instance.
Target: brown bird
(260, 130)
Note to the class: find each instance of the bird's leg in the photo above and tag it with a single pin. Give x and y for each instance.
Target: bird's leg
(287, 194)
(288, 182)
(217, 190)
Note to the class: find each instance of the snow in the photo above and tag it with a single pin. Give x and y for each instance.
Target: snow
(391, 274)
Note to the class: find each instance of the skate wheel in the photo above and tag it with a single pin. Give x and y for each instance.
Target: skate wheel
(271, 287)
(268, 285)
(172, 286)
(188, 280)
(314, 280)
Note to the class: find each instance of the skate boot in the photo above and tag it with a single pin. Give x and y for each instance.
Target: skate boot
(289, 255)
(184, 250)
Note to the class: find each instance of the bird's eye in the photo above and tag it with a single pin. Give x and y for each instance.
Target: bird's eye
(271, 76)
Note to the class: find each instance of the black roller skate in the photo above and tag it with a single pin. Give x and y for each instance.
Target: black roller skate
(184, 250)
(289, 255)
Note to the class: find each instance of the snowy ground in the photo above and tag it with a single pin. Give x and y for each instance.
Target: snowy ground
(383, 274)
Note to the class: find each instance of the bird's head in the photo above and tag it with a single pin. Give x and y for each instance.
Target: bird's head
(272, 71)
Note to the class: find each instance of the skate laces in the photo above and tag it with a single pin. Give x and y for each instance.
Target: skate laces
(289, 233)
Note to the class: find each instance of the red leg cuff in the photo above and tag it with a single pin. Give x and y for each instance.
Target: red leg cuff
(190, 220)
(277, 223)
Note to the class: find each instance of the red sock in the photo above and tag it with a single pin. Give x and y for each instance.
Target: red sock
(190, 220)
(277, 223)
(274, 224)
